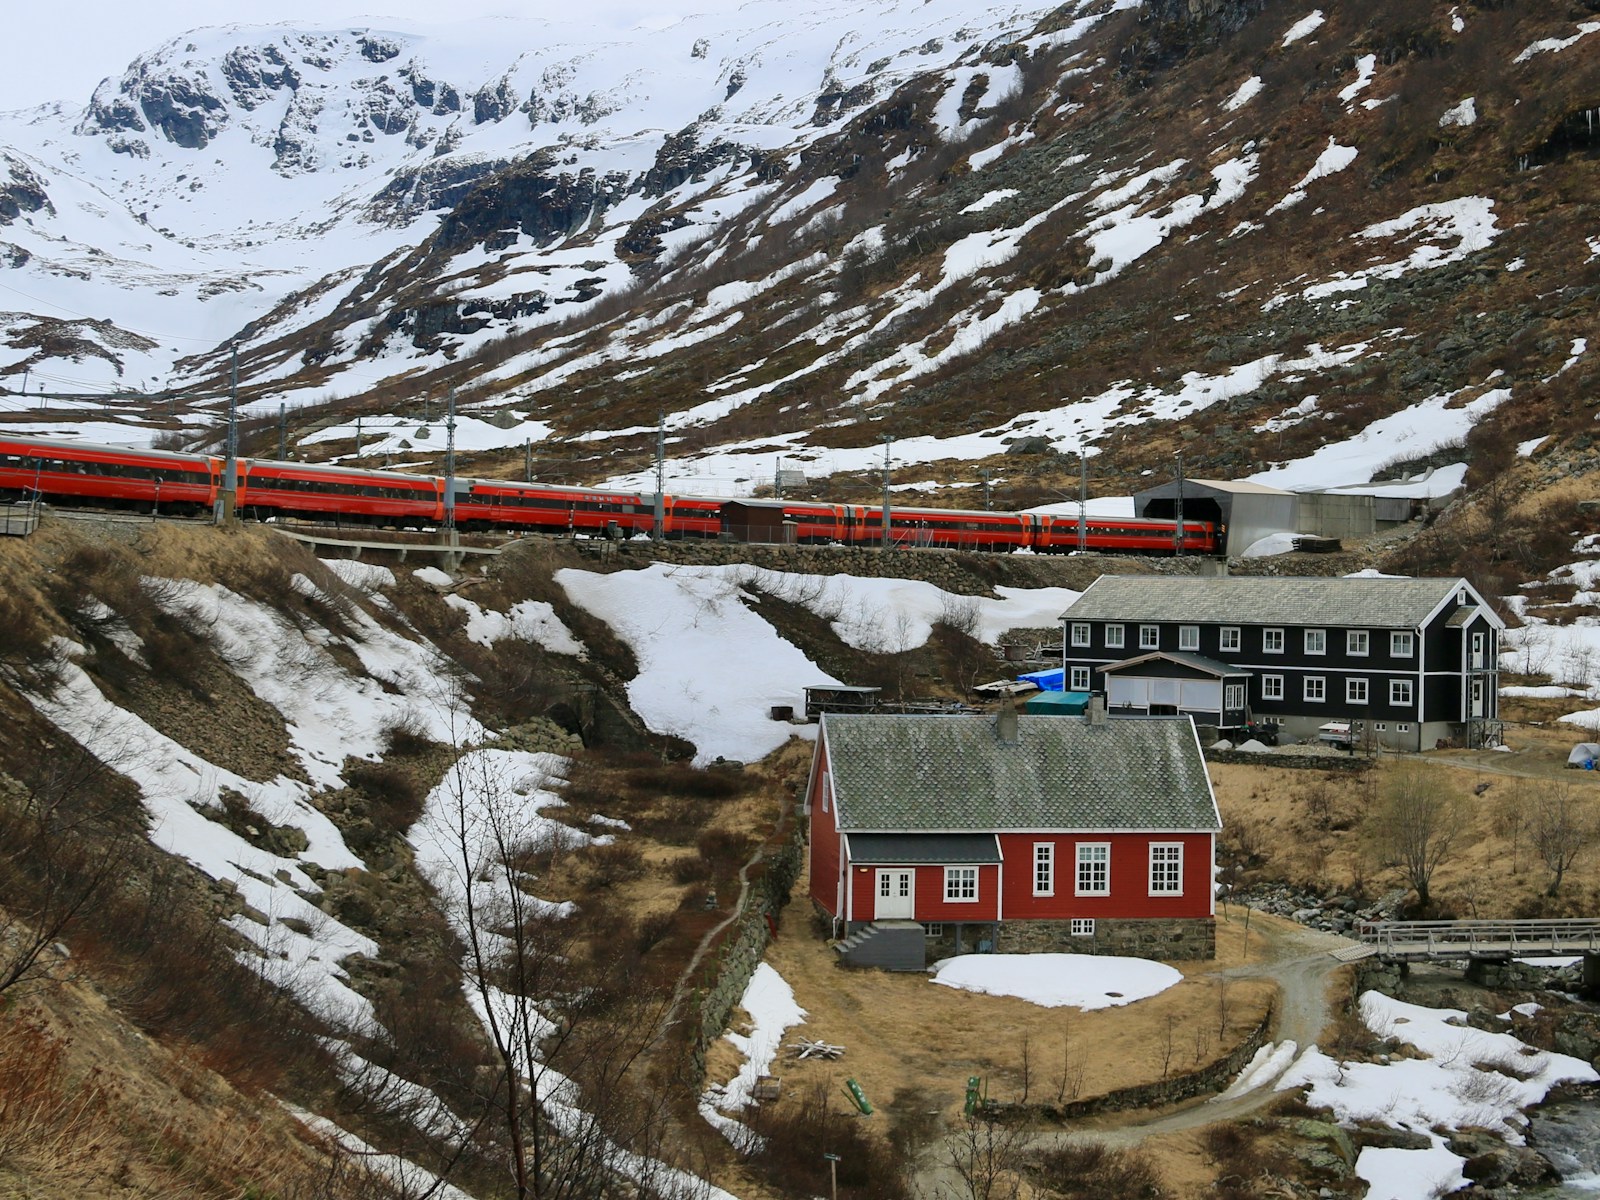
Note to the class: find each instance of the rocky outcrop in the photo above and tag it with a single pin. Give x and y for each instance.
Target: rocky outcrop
(526, 200)
(21, 191)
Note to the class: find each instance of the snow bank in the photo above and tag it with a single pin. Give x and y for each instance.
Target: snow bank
(1083, 981)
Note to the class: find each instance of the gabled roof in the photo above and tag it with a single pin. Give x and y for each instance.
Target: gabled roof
(1267, 600)
(948, 774)
(1196, 662)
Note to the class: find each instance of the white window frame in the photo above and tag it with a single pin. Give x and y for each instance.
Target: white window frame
(1402, 644)
(1402, 727)
(1316, 641)
(1044, 868)
(1082, 926)
(1321, 689)
(1355, 689)
(1268, 638)
(1094, 865)
(1272, 687)
(934, 929)
(1229, 638)
(1232, 695)
(1381, 726)
(1114, 636)
(827, 789)
(1080, 633)
(1357, 643)
(1188, 637)
(1149, 637)
(1402, 693)
(1079, 680)
(1166, 868)
(958, 882)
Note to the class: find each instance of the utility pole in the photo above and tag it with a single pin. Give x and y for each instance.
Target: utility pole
(527, 461)
(450, 471)
(888, 440)
(1083, 499)
(987, 491)
(229, 496)
(26, 371)
(358, 437)
(659, 528)
(283, 432)
(1177, 532)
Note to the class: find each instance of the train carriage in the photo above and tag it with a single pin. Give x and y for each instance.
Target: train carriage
(107, 476)
(1128, 535)
(316, 492)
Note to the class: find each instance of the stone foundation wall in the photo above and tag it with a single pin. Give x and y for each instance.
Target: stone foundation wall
(1169, 939)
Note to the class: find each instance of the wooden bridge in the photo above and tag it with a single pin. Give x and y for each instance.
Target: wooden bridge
(1407, 941)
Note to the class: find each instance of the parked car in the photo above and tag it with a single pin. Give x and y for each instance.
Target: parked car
(1337, 734)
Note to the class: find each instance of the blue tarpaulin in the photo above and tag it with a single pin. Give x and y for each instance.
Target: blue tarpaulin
(1046, 681)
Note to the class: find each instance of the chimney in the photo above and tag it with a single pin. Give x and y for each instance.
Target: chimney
(1097, 709)
(1005, 722)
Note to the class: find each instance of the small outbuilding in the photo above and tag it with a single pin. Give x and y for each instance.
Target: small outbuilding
(840, 698)
(1058, 704)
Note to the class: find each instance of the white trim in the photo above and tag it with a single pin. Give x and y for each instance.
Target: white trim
(977, 880)
(1411, 652)
(1222, 638)
(1155, 645)
(1150, 868)
(1122, 635)
(1050, 863)
(1188, 638)
(1305, 642)
(1305, 689)
(1283, 639)
(1078, 864)
(1350, 636)
(1280, 694)
(1349, 690)
(1088, 633)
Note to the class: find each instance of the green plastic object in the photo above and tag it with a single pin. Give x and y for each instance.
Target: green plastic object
(858, 1096)
(974, 1096)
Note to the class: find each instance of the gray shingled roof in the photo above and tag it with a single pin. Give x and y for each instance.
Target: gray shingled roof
(947, 774)
(1263, 600)
(1195, 662)
(890, 848)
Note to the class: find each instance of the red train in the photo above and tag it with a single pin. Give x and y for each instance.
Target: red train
(189, 484)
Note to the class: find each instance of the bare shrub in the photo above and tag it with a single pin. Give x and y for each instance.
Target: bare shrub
(406, 736)
(607, 866)
(394, 793)
(799, 1131)
(1092, 1171)
(724, 847)
(690, 868)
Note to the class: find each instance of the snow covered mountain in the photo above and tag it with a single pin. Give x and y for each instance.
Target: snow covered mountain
(230, 170)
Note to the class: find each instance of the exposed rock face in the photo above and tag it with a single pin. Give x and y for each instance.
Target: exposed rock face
(21, 191)
(525, 200)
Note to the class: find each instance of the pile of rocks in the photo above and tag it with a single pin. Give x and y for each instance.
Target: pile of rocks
(1332, 914)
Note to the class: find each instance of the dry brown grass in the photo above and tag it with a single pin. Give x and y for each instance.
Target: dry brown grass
(1492, 872)
(90, 1108)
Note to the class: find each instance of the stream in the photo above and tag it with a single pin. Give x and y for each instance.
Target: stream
(1567, 1132)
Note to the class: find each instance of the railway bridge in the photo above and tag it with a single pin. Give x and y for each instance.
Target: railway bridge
(1483, 942)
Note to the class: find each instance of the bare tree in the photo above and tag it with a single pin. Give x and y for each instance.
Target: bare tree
(1414, 825)
(1512, 817)
(1561, 826)
(64, 841)
(985, 1156)
(568, 1034)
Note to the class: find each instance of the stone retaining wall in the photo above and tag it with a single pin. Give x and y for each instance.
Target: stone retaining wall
(1172, 939)
(742, 951)
(1211, 1078)
(1302, 762)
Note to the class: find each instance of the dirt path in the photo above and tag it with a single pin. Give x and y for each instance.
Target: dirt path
(1300, 961)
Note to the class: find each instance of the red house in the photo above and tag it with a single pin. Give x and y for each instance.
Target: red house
(942, 835)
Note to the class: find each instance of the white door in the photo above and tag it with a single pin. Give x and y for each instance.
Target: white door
(1477, 697)
(1477, 651)
(896, 896)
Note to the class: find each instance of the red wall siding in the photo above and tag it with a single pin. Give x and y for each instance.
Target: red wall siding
(930, 902)
(824, 838)
(1130, 877)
